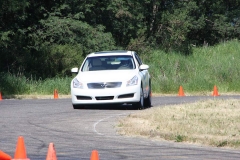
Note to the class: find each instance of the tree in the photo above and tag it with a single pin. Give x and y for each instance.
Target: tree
(37, 46)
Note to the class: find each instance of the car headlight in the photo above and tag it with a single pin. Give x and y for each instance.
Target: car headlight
(77, 84)
(133, 81)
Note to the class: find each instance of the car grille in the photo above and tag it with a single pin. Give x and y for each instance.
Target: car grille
(126, 95)
(105, 98)
(84, 98)
(102, 85)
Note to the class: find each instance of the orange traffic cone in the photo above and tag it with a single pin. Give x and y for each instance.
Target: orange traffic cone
(0, 96)
(215, 91)
(4, 156)
(94, 155)
(55, 94)
(51, 155)
(20, 153)
(181, 92)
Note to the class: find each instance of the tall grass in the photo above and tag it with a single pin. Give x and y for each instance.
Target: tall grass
(207, 66)
(199, 72)
(18, 84)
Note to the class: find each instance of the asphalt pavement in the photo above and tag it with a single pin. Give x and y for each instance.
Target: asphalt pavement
(76, 133)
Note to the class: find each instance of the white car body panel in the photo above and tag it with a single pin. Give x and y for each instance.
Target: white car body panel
(104, 95)
(106, 76)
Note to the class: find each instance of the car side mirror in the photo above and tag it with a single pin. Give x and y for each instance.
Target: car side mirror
(74, 70)
(143, 67)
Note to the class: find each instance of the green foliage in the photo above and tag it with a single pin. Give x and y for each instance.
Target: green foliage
(128, 20)
(180, 24)
(20, 85)
(180, 138)
(57, 60)
(35, 33)
(52, 46)
(13, 84)
(197, 73)
(176, 28)
(47, 86)
(63, 43)
(59, 30)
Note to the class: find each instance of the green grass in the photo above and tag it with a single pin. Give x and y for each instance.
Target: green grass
(197, 73)
(20, 85)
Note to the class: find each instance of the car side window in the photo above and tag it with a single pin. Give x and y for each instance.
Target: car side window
(138, 59)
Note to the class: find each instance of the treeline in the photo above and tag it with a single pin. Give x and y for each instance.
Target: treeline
(47, 38)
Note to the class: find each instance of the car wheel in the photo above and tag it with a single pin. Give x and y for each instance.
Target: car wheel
(78, 106)
(140, 104)
(148, 100)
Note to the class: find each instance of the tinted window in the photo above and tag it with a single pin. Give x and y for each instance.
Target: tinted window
(108, 63)
(138, 59)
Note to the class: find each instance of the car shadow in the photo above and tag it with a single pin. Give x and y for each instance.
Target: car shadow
(109, 107)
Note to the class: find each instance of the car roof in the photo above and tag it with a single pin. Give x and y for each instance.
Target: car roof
(108, 53)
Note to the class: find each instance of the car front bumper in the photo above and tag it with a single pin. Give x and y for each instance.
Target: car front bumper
(129, 94)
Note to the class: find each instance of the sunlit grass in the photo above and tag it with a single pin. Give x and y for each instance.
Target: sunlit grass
(213, 122)
(20, 85)
(197, 73)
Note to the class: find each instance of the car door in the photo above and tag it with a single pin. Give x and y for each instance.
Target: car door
(145, 76)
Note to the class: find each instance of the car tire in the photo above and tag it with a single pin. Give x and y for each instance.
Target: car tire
(140, 104)
(78, 106)
(148, 100)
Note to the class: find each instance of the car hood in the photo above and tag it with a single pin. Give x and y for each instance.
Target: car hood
(106, 76)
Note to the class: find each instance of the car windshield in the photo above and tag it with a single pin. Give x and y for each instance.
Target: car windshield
(108, 63)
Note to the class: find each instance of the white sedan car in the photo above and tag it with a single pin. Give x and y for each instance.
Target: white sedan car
(111, 77)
